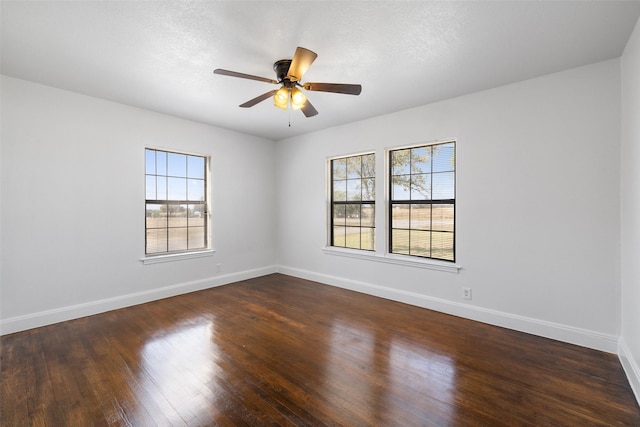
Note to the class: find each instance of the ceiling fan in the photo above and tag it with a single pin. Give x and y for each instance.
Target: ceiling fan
(289, 74)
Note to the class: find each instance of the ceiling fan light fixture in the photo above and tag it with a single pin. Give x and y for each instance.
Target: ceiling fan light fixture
(289, 73)
(298, 99)
(281, 98)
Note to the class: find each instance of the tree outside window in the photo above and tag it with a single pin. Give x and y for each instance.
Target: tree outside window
(353, 202)
(422, 201)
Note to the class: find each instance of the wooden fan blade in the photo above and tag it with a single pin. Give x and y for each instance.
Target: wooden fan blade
(257, 99)
(334, 87)
(308, 109)
(243, 76)
(302, 60)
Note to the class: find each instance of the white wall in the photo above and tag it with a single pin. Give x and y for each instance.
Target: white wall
(538, 205)
(630, 341)
(73, 205)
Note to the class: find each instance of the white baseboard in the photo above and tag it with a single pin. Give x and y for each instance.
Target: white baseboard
(582, 337)
(578, 336)
(48, 317)
(631, 367)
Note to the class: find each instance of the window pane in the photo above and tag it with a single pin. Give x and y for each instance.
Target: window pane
(367, 215)
(195, 190)
(177, 215)
(161, 162)
(420, 243)
(421, 160)
(420, 217)
(353, 214)
(151, 187)
(196, 215)
(353, 237)
(421, 186)
(339, 236)
(195, 167)
(354, 167)
(443, 216)
(443, 158)
(400, 161)
(150, 161)
(340, 190)
(442, 245)
(400, 187)
(161, 185)
(443, 186)
(339, 167)
(178, 239)
(156, 216)
(156, 240)
(400, 240)
(369, 166)
(339, 214)
(353, 189)
(369, 189)
(400, 216)
(196, 238)
(177, 164)
(177, 189)
(367, 238)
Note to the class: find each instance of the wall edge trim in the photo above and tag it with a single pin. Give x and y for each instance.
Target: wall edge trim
(630, 366)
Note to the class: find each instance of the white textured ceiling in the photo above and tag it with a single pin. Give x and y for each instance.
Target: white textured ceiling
(160, 55)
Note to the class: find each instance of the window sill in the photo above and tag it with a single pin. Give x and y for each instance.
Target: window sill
(176, 257)
(393, 259)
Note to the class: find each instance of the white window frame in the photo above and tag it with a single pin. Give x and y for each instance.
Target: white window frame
(432, 202)
(381, 253)
(188, 254)
(330, 201)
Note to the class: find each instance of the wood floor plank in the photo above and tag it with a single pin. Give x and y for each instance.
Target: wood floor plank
(279, 350)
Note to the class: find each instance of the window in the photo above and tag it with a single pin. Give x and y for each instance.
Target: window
(422, 201)
(176, 202)
(353, 202)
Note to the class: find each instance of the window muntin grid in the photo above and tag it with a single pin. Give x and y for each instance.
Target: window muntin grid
(176, 202)
(422, 201)
(353, 202)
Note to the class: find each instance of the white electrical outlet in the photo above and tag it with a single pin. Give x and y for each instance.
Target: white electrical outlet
(466, 293)
(218, 268)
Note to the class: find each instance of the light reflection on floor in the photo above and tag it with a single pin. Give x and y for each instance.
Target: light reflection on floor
(349, 346)
(420, 371)
(400, 367)
(173, 369)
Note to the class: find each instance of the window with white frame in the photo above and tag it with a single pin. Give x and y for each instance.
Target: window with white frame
(176, 202)
(352, 214)
(422, 201)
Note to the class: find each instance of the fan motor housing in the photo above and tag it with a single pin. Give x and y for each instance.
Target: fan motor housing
(281, 68)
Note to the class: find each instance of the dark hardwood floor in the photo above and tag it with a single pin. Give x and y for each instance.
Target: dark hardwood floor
(278, 350)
